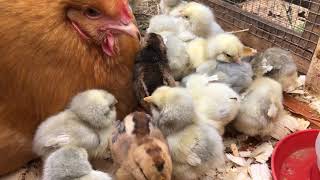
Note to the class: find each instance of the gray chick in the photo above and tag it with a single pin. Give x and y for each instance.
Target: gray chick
(277, 64)
(71, 163)
(87, 124)
(238, 76)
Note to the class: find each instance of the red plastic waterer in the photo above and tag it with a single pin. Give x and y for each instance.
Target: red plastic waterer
(294, 157)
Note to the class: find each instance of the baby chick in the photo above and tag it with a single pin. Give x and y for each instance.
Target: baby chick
(140, 150)
(277, 64)
(237, 76)
(197, 52)
(151, 68)
(164, 23)
(178, 56)
(167, 25)
(260, 107)
(216, 101)
(71, 163)
(195, 146)
(201, 20)
(225, 47)
(86, 124)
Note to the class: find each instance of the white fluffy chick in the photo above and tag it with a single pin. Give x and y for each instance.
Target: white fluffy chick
(277, 64)
(195, 146)
(237, 76)
(225, 47)
(87, 123)
(201, 20)
(71, 163)
(179, 60)
(260, 107)
(216, 101)
(165, 25)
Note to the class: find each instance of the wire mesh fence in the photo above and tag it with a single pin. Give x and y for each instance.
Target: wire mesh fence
(291, 24)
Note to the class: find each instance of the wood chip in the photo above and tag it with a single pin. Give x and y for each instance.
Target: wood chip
(245, 154)
(238, 173)
(237, 160)
(260, 172)
(280, 132)
(234, 150)
(302, 109)
(263, 152)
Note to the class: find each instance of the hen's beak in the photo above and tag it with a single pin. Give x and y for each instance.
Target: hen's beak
(148, 99)
(130, 29)
(111, 28)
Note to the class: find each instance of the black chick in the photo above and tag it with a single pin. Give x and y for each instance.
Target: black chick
(151, 69)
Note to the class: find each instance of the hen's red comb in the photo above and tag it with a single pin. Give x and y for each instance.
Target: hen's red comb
(125, 13)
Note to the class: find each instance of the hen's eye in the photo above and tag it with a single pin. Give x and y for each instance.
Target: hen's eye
(187, 17)
(92, 13)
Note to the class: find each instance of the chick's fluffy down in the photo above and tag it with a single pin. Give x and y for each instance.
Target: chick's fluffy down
(260, 107)
(216, 101)
(195, 150)
(71, 163)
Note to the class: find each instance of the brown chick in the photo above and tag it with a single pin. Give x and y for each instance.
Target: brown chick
(52, 50)
(151, 68)
(140, 150)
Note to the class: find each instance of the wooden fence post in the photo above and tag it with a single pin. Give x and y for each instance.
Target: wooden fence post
(313, 76)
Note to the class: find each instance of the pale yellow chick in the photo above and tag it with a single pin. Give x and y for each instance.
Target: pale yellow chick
(218, 102)
(195, 146)
(197, 52)
(201, 20)
(225, 47)
(260, 108)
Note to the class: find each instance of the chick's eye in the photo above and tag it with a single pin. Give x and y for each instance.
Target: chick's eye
(186, 17)
(228, 55)
(92, 13)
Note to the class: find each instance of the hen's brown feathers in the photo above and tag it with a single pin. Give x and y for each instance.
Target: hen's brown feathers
(44, 63)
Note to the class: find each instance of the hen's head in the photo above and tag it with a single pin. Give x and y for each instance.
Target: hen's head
(101, 22)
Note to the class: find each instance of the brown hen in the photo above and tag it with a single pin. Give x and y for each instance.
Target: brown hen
(52, 50)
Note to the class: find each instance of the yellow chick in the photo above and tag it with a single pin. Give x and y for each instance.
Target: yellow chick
(260, 108)
(201, 20)
(218, 102)
(225, 47)
(195, 146)
(197, 52)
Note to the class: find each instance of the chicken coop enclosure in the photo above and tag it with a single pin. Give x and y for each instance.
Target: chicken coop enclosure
(290, 24)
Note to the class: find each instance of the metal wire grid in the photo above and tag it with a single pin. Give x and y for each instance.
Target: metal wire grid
(246, 14)
(287, 14)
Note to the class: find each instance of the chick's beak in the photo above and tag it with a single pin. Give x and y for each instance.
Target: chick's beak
(238, 60)
(148, 99)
